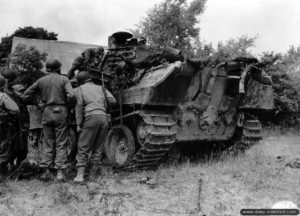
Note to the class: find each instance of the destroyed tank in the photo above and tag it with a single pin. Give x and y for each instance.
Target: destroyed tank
(164, 99)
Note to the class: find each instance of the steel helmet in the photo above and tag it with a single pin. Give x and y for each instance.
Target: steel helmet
(9, 74)
(53, 65)
(2, 81)
(83, 77)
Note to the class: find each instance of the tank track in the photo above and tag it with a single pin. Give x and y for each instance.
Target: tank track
(249, 135)
(252, 132)
(160, 135)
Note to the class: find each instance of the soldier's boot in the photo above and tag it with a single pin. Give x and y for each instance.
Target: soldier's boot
(46, 175)
(80, 175)
(61, 176)
(95, 172)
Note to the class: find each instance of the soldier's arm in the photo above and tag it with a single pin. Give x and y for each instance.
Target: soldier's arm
(18, 93)
(70, 94)
(10, 105)
(79, 109)
(77, 63)
(110, 98)
(87, 55)
(31, 91)
(71, 73)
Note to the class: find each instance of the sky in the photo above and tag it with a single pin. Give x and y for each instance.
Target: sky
(276, 23)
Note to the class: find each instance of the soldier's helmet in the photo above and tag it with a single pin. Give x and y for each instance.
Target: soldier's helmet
(9, 74)
(83, 77)
(53, 65)
(2, 82)
(99, 51)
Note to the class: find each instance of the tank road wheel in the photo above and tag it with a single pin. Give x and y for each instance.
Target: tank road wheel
(119, 145)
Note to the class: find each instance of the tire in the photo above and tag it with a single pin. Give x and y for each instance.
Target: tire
(119, 145)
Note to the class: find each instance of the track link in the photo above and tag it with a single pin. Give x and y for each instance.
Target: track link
(252, 132)
(249, 135)
(159, 137)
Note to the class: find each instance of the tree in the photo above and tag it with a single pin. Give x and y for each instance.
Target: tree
(226, 51)
(172, 23)
(284, 70)
(25, 32)
(234, 48)
(286, 92)
(28, 64)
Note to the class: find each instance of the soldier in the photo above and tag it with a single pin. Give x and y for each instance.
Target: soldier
(8, 111)
(56, 94)
(92, 123)
(20, 129)
(85, 59)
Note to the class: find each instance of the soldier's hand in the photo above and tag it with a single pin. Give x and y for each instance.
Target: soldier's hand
(79, 129)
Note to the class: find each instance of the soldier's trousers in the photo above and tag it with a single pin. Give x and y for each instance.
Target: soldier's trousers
(92, 139)
(55, 131)
(20, 141)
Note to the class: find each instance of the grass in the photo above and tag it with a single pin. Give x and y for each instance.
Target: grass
(256, 179)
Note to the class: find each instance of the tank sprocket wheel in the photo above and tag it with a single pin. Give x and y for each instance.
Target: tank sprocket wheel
(119, 145)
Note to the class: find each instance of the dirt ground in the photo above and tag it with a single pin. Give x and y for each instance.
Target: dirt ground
(265, 174)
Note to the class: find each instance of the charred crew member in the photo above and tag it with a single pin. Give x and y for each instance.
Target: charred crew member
(86, 58)
(92, 123)
(56, 93)
(8, 110)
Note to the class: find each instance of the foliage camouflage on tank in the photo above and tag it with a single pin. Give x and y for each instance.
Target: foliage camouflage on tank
(165, 99)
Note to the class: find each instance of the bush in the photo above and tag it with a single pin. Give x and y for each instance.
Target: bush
(28, 64)
(285, 85)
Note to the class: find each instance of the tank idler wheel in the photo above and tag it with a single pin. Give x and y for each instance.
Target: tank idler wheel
(119, 145)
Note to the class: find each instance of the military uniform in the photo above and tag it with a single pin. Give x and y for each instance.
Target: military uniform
(91, 117)
(20, 128)
(8, 111)
(85, 60)
(92, 121)
(56, 93)
(20, 125)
